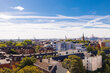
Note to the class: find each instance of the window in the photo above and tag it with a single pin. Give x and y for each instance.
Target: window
(87, 67)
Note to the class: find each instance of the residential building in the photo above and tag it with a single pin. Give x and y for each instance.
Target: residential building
(19, 49)
(46, 49)
(70, 51)
(64, 45)
(92, 63)
(80, 47)
(104, 43)
(5, 63)
(45, 67)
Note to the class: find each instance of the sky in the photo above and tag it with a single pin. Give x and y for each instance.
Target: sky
(47, 19)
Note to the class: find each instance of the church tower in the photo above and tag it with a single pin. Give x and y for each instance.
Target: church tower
(83, 38)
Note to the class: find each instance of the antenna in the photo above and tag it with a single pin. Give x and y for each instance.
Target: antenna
(34, 38)
(92, 35)
(104, 37)
(18, 38)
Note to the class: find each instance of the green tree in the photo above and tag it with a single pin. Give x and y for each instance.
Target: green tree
(99, 52)
(27, 42)
(73, 64)
(102, 53)
(44, 57)
(105, 48)
(49, 56)
(27, 61)
(89, 48)
(19, 44)
(25, 66)
(12, 51)
(2, 45)
(9, 43)
(107, 60)
(14, 43)
(33, 42)
(1, 70)
(107, 69)
(29, 69)
(16, 70)
(7, 70)
(37, 48)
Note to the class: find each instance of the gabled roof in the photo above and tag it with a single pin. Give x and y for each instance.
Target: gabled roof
(60, 69)
(44, 66)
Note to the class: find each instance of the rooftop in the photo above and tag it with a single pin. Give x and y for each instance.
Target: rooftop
(4, 61)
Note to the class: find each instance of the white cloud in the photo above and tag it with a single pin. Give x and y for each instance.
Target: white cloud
(20, 8)
(12, 16)
(44, 20)
(96, 21)
(51, 26)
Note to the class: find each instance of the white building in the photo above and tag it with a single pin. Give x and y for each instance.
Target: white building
(92, 63)
(53, 43)
(4, 61)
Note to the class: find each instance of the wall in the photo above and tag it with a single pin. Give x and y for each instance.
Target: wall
(92, 63)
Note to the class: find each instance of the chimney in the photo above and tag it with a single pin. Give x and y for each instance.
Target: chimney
(49, 67)
(48, 60)
(40, 59)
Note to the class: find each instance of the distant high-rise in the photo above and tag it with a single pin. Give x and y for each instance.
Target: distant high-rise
(18, 38)
(93, 36)
(65, 37)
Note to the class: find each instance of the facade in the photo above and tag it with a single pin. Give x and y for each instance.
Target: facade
(107, 44)
(70, 51)
(46, 50)
(96, 44)
(19, 49)
(53, 43)
(5, 62)
(104, 43)
(18, 57)
(64, 45)
(25, 51)
(92, 63)
(80, 47)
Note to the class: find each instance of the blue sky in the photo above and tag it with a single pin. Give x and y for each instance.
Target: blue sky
(54, 18)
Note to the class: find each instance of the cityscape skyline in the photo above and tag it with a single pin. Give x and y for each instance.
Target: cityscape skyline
(54, 36)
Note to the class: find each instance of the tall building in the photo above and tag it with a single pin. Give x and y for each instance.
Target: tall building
(83, 38)
(64, 45)
(92, 63)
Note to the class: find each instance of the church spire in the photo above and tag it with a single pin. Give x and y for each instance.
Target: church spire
(83, 38)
